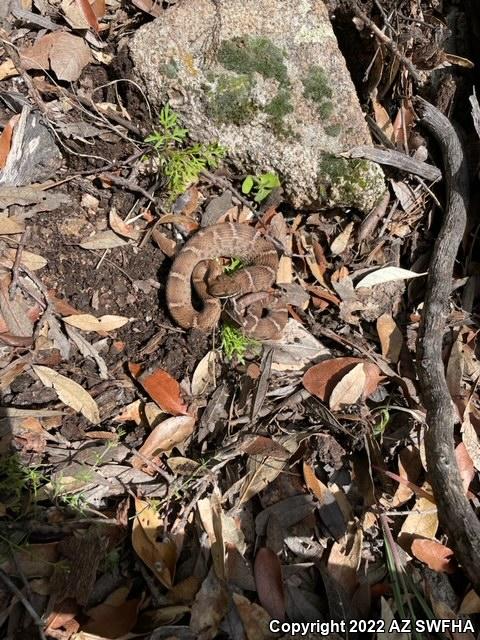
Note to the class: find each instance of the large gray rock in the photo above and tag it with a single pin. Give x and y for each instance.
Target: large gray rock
(266, 79)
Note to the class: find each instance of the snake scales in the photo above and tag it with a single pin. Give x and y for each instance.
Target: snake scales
(254, 307)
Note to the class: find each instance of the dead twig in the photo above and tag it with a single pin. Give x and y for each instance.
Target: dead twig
(16, 265)
(455, 512)
(30, 610)
(388, 42)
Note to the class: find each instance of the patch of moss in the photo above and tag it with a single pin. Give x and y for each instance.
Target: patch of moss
(279, 107)
(343, 180)
(333, 130)
(317, 89)
(230, 99)
(169, 69)
(249, 54)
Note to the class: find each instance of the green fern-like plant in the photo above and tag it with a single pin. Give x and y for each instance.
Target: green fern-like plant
(235, 344)
(181, 164)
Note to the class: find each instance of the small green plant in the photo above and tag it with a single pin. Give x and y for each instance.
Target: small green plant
(18, 482)
(181, 164)
(262, 185)
(235, 344)
(235, 265)
(381, 422)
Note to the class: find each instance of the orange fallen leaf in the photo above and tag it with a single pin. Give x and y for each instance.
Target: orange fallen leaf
(164, 437)
(321, 379)
(6, 140)
(269, 581)
(435, 555)
(159, 556)
(162, 389)
(88, 14)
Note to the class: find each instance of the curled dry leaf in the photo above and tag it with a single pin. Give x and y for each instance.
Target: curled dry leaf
(269, 581)
(66, 54)
(9, 226)
(465, 465)
(104, 240)
(340, 243)
(6, 139)
(162, 389)
(350, 388)
(209, 608)
(255, 619)
(32, 261)
(422, 522)
(435, 555)
(329, 510)
(321, 379)
(203, 377)
(387, 274)
(164, 437)
(114, 617)
(159, 556)
(120, 226)
(391, 337)
(69, 392)
(344, 560)
(87, 322)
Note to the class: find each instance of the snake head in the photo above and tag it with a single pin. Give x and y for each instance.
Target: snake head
(224, 286)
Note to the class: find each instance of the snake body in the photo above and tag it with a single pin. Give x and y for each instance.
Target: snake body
(255, 308)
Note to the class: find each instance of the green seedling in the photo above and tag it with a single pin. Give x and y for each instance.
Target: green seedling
(262, 185)
(180, 163)
(235, 344)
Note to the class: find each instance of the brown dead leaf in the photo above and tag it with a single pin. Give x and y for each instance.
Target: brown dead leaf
(6, 139)
(329, 510)
(261, 470)
(9, 226)
(205, 374)
(130, 413)
(7, 69)
(465, 465)
(422, 522)
(322, 378)
(382, 118)
(269, 581)
(209, 608)
(114, 617)
(344, 560)
(434, 554)
(87, 322)
(89, 13)
(160, 557)
(391, 337)
(120, 226)
(402, 123)
(162, 389)
(255, 619)
(470, 604)
(340, 243)
(409, 468)
(149, 6)
(66, 54)
(350, 388)
(164, 437)
(69, 392)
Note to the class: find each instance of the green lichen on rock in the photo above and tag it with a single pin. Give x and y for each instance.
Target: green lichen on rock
(169, 69)
(279, 107)
(333, 130)
(317, 89)
(349, 182)
(229, 99)
(250, 54)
